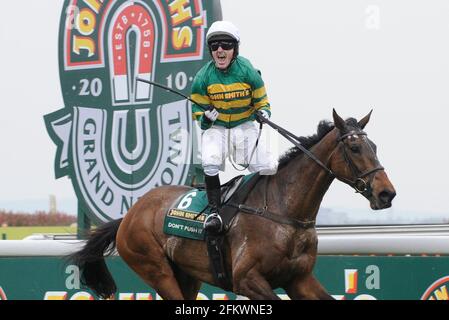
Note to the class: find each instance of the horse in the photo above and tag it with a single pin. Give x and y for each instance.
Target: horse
(260, 255)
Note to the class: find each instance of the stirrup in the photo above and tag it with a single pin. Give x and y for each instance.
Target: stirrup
(213, 216)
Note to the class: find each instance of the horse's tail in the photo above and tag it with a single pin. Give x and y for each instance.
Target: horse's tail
(94, 272)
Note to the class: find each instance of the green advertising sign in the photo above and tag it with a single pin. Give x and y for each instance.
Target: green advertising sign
(117, 137)
(345, 277)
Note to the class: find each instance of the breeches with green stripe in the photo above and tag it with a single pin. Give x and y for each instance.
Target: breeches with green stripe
(217, 143)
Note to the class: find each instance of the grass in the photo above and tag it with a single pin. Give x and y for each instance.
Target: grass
(18, 233)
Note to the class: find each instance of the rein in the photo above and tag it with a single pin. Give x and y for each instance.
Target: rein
(359, 184)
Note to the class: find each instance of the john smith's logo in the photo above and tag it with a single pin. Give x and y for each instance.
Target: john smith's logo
(437, 290)
(117, 137)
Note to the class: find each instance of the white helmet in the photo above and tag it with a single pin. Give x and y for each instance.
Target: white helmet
(223, 28)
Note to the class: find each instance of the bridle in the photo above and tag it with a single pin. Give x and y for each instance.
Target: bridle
(358, 182)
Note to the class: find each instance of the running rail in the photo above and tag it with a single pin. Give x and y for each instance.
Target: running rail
(349, 240)
(384, 240)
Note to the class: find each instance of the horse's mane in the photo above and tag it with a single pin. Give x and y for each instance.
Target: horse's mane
(324, 127)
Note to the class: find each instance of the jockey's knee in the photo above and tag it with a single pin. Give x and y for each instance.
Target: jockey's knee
(265, 169)
(211, 170)
(268, 171)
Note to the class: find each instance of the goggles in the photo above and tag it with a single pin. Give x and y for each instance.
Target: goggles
(225, 45)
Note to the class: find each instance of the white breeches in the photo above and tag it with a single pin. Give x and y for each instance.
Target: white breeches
(219, 142)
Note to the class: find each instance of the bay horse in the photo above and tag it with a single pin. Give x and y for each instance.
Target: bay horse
(261, 255)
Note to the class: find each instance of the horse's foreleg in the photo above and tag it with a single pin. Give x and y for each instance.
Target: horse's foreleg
(307, 288)
(253, 285)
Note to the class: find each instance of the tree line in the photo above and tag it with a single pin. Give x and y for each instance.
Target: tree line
(39, 218)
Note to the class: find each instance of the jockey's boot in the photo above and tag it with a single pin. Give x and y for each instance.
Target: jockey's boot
(213, 223)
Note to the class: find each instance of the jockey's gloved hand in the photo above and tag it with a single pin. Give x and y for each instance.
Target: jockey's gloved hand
(211, 114)
(264, 114)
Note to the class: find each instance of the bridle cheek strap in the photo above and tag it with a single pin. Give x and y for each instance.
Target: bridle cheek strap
(359, 184)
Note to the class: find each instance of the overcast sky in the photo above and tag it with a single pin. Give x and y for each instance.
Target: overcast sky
(392, 56)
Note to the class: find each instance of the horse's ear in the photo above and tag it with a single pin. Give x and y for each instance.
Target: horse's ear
(365, 120)
(338, 121)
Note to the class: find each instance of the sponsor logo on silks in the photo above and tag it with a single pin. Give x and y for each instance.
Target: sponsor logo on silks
(117, 137)
(437, 290)
(2, 294)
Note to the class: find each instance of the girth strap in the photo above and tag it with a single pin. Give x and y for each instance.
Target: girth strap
(298, 224)
(216, 247)
(215, 250)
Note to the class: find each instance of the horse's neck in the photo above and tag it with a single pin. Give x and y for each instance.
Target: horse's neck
(302, 183)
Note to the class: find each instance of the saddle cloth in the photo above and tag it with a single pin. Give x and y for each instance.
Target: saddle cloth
(186, 217)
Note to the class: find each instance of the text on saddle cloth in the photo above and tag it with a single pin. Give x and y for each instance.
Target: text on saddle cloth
(186, 217)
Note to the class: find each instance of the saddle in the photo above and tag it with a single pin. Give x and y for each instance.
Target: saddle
(185, 218)
(191, 209)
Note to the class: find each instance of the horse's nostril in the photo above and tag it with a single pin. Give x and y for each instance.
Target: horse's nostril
(387, 196)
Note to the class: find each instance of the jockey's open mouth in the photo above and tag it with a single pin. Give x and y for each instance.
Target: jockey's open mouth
(222, 58)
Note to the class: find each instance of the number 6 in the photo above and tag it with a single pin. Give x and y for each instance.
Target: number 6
(187, 200)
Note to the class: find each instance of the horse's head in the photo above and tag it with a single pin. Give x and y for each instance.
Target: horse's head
(355, 163)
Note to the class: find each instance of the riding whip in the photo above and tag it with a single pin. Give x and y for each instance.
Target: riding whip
(174, 91)
(205, 108)
(288, 135)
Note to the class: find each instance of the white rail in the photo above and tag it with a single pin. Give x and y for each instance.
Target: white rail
(384, 240)
(38, 248)
(378, 240)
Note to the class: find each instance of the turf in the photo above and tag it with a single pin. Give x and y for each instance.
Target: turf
(18, 233)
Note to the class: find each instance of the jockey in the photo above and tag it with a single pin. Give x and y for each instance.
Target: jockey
(234, 91)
